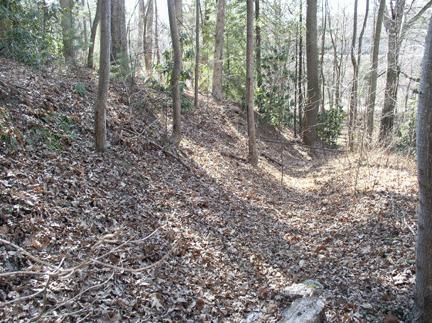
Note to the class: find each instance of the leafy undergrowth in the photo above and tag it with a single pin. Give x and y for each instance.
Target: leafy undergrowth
(144, 233)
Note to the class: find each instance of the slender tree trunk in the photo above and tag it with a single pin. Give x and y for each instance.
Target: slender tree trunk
(353, 96)
(148, 41)
(68, 31)
(258, 43)
(179, 13)
(197, 53)
(218, 52)
(313, 87)
(175, 78)
(371, 97)
(295, 85)
(423, 295)
(157, 34)
(393, 24)
(84, 22)
(93, 31)
(104, 75)
(119, 52)
(356, 67)
(324, 18)
(141, 35)
(253, 155)
(300, 71)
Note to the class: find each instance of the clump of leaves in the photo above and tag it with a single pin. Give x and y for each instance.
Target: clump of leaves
(80, 88)
(330, 125)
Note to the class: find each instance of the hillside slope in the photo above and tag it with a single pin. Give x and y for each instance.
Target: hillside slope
(144, 233)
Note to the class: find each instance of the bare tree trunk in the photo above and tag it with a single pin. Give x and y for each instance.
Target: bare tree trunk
(324, 18)
(258, 43)
(353, 96)
(104, 75)
(141, 35)
(423, 295)
(295, 84)
(175, 86)
(393, 25)
(253, 155)
(179, 13)
(218, 52)
(93, 31)
(197, 53)
(68, 31)
(157, 34)
(371, 98)
(300, 71)
(84, 22)
(148, 41)
(356, 67)
(313, 87)
(119, 52)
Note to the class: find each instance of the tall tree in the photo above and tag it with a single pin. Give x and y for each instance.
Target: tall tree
(373, 76)
(397, 27)
(179, 13)
(119, 52)
(104, 74)
(423, 295)
(356, 67)
(148, 41)
(258, 43)
(175, 86)
(218, 51)
(93, 35)
(84, 24)
(300, 70)
(323, 34)
(253, 154)
(141, 34)
(68, 31)
(313, 87)
(157, 34)
(197, 53)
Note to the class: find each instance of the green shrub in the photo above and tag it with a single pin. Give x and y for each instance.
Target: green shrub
(23, 38)
(330, 125)
(80, 88)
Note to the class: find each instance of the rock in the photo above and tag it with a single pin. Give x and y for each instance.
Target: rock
(305, 310)
(308, 288)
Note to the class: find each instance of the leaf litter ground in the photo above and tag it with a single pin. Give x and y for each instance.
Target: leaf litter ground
(145, 233)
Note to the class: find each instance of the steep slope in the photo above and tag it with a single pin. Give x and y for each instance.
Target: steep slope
(144, 233)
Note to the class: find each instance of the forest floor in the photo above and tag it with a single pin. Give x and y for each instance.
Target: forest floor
(145, 233)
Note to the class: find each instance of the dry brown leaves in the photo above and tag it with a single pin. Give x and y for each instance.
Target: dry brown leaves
(229, 237)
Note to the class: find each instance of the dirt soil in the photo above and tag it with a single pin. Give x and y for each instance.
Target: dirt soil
(144, 233)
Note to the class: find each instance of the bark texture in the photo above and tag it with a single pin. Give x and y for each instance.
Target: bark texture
(68, 31)
(90, 63)
(313, 87)
(175, 87)
(393, 25)
(371, 97)
(423, 296)
(197, 53)
(218, 52)
(253, 155)
(119, 53)
(148, 41)
(104, 74)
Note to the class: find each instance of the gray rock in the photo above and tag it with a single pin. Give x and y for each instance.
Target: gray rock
(305, 310)
(308, 288)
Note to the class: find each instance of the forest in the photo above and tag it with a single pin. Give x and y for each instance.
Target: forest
(216, 161)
